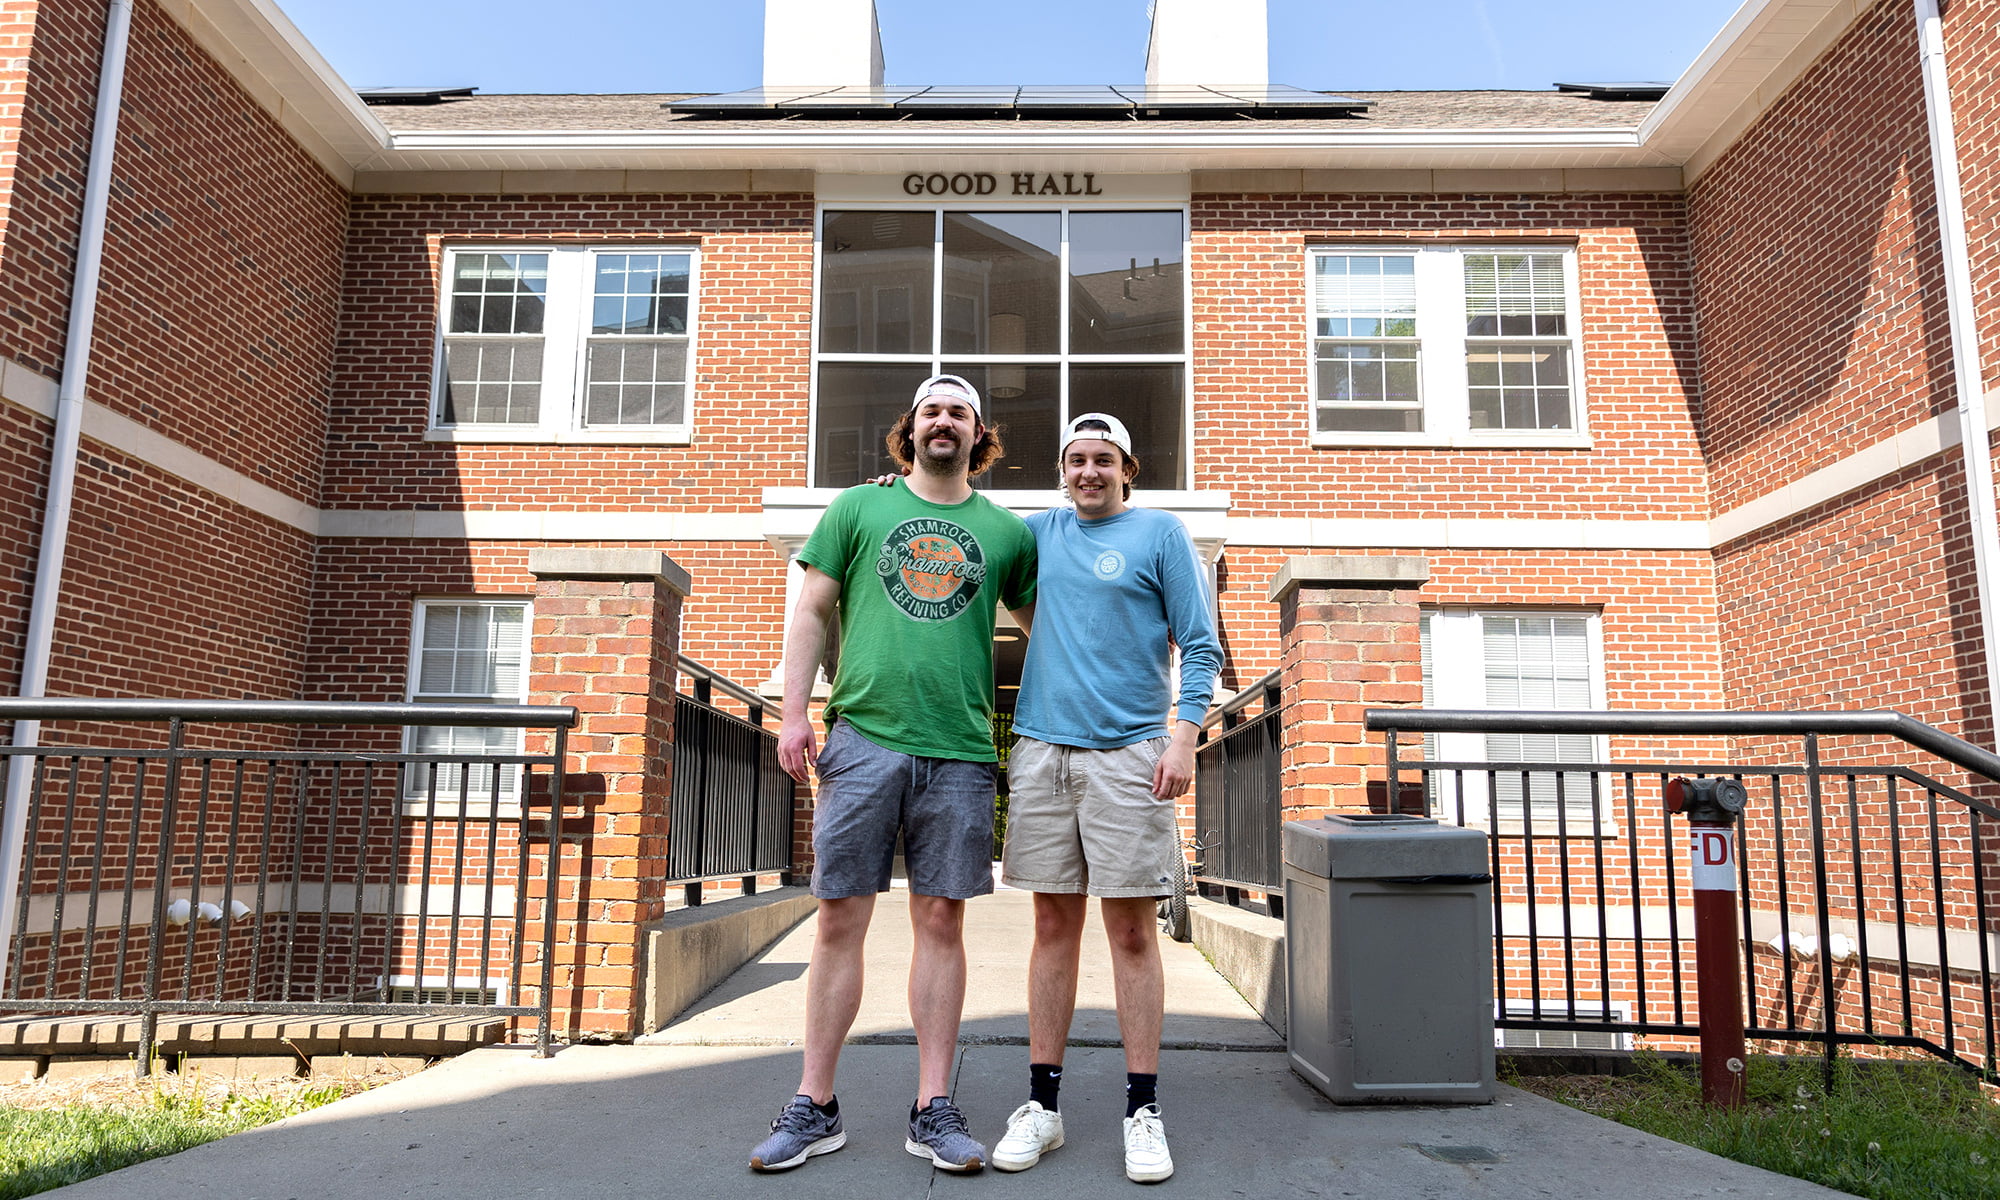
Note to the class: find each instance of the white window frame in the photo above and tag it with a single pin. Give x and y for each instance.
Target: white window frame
(414, 797)
(1455, 677)
(1441, 365)
(936, 358)
(566, 332)
(1555, 1039)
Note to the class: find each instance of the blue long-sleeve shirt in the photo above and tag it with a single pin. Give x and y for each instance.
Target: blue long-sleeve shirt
(1109, 595)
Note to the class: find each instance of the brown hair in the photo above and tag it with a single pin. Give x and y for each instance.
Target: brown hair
(903, 446)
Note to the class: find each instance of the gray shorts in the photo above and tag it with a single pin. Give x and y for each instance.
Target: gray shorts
(1086, 821)
(943, 806)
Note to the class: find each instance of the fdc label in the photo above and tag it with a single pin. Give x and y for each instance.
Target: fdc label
(1713, 852)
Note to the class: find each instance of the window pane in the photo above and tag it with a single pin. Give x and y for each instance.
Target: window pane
(633, 381)
(1369, 387)
(885, 260)
(1380, 286)
(1514, 295)
(498, 293)
(1540, 662)
(1005, 269)
(492, 381)
(1150, 401)
(1025, 402)
(858, 403)
(1126, 286)
(472, 781)
(1519, 387)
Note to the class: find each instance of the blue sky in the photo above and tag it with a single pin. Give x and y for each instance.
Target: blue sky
(716, 45)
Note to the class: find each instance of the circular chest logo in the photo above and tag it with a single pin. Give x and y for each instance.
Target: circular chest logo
(931, 569)
(1110, 565)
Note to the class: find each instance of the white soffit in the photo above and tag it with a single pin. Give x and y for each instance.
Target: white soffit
(1743, 71)
(258, 44)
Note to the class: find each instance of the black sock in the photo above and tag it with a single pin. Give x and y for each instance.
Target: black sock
(1140, 1090)
(831, 1108)
(1044, 1081)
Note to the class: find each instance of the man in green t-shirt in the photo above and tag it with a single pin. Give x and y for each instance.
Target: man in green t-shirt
(915, 572)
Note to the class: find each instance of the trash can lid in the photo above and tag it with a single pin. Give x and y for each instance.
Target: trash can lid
(1382, 845)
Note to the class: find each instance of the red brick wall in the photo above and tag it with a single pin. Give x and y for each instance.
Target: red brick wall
(1252, 359)
(214, 327)
(751, 348)
(1820, 297)
(1972, 52)
(1817, 272)
(365, 591)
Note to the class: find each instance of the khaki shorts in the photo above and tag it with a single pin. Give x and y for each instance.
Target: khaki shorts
(1086, 821)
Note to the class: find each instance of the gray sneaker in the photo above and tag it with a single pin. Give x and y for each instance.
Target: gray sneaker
(800, 1132)
(938, 1133)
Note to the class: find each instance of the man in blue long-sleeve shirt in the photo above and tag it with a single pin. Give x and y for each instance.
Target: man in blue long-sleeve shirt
(1104, 747)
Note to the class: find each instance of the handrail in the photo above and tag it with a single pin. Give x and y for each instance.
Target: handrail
(283, 712)
(1243, 699)
(722, 684)
(1886, 722)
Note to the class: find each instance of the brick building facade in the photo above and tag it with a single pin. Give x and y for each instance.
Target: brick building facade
(1698, 455)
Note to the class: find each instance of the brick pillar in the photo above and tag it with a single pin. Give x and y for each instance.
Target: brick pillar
(1351, 634)
(607, 640)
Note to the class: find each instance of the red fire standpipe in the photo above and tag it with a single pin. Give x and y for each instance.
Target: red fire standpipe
(1711, 806)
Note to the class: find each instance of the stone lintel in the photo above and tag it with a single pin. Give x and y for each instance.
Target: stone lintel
(1372, 571)
(570, 562)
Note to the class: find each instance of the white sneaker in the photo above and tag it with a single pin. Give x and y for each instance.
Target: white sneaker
(1146, 1157)
(1031, 1132)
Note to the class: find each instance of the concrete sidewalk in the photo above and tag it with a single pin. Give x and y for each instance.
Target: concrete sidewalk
(677, 1115)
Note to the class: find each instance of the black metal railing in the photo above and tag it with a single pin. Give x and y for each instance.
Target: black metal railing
(1237, 812)
(1865, 890)
(733, 806)
(194, 857)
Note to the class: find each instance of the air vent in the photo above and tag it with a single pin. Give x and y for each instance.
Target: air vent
(440, 995)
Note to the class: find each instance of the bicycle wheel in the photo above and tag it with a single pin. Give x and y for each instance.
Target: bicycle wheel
(1174, 905)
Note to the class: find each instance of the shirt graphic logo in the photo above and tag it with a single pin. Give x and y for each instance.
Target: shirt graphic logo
(1109, 566)
(931, 569)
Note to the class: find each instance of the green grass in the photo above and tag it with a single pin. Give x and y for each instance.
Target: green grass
(43, 1148)
(1908, 1130)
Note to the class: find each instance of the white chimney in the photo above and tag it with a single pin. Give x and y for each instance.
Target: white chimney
(822, 43)
(1223, 42)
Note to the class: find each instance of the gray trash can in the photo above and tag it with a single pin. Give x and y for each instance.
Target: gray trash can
(1389, 959)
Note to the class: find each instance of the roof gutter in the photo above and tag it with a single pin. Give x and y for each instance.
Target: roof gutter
(46, 586)
(1966, 370)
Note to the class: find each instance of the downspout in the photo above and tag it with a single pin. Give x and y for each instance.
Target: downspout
(47, 584)
(1965, 366)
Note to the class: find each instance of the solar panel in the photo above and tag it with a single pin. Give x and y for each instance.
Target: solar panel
(853, 96)
(1618, 91)
(1041, 102)
(995, 98)
(747, 99)
(1072, 97)
(410, 95)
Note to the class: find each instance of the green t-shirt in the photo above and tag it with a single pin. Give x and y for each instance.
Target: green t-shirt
(918, 586)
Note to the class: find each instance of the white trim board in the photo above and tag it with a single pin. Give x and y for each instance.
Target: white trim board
(1204, 511)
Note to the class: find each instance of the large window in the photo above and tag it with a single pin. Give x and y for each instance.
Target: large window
(467, 652)
(1512, 659)
(1048, 313)
(1445, 344)
(571, 341)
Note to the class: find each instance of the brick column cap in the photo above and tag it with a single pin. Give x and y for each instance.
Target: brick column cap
(569, 562)
(1386, 571)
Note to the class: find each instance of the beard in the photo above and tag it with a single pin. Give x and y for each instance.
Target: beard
(933, 461)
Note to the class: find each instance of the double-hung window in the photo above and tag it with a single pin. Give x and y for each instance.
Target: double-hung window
(1449, 344)
(567, 343)
(1047, 312)
(1516, 659)
(466, 652)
